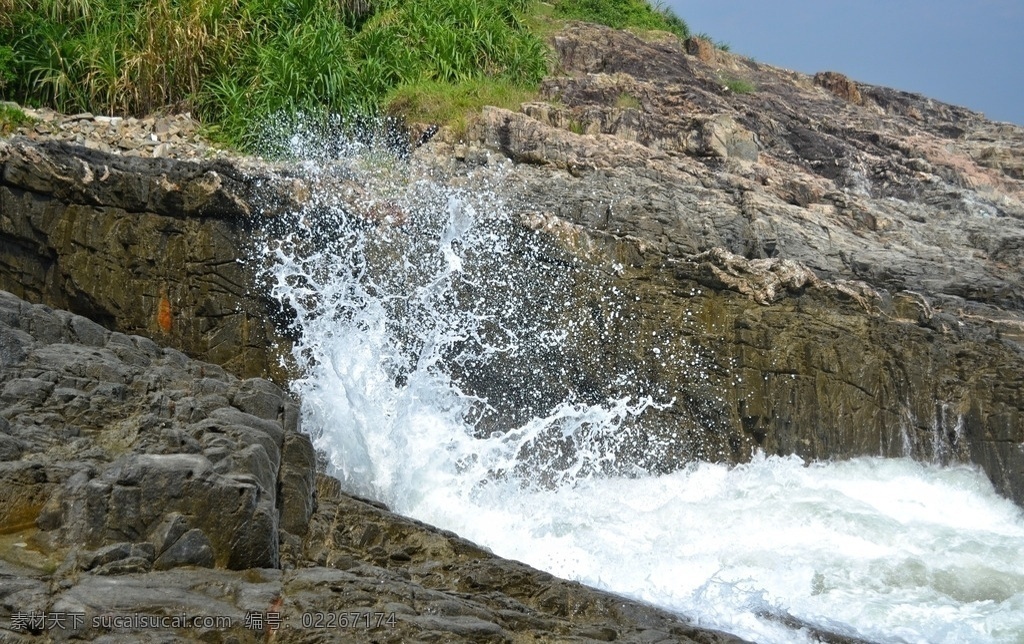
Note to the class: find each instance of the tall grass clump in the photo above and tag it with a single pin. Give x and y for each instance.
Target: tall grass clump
(719, 44)
(623, 14)
(117, 56)
(239, 63)
(738, 85)
(322, 66)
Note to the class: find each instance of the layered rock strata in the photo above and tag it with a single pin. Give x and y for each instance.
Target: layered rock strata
(840, 265)
(150, 247)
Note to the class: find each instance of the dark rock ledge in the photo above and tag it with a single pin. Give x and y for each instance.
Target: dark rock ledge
(146, 246)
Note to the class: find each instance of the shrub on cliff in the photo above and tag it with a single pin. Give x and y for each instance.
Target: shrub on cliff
(6, 64)
(11, 117)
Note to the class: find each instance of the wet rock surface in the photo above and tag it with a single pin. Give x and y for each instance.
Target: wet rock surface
(840, 265)
(144, 246)
(138, 482)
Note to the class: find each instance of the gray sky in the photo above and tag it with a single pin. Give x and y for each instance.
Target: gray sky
(961, 52)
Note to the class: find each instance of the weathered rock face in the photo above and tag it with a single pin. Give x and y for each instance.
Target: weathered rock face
(933, 203)
(147, 247)
(121, 454)
(846, 271)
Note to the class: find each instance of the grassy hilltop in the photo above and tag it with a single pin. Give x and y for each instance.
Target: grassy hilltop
(236, 63)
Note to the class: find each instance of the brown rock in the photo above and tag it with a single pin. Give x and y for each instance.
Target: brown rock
(702, 48)
(839, 85)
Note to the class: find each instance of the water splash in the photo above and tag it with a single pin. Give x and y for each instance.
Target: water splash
(402, 335)
(448, 359)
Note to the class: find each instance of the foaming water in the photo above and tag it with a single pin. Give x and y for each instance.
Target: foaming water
(884, 550)
(400, 314)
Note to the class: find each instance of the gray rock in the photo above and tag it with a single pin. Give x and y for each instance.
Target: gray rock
(24, 489)
(168, 531)
(297, 483)
(127, 463)
(11, 448)
(28, 392)
(259, 397)
(12, 346)
(119, 552)
(192, 549)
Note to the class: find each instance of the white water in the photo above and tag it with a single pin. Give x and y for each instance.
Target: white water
(884, 550)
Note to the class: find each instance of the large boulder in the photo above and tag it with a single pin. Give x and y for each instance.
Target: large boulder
(114, 441)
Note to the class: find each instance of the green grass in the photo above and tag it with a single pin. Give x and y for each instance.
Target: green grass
(623, 14)
(240, 64)
(12, 118)
(236, 63)
(738, 85)
(625, 101)
(454, 103)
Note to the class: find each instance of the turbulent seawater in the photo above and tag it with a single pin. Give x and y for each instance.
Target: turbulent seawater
(405, 291)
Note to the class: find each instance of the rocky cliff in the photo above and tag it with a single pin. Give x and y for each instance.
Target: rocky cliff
(837, 267)
(845, 260)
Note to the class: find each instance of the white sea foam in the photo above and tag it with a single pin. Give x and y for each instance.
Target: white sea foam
(885, 550)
